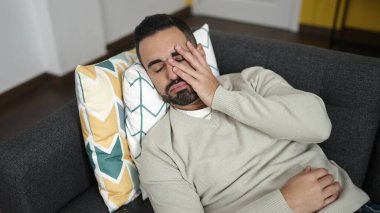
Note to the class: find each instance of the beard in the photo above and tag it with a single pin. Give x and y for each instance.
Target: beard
(184, 97)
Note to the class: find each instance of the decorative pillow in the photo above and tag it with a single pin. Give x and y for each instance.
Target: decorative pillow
(202, 36)
(101, 112)
(143, 105)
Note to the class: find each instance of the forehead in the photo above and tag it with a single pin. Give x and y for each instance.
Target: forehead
(161, 44)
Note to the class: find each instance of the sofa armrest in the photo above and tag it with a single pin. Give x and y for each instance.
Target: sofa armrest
(45, 166)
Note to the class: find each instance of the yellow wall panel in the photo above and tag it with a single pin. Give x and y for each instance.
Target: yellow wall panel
(364, 14)
(319, 13)
(361, 14)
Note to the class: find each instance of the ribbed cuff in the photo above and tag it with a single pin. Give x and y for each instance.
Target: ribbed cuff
(273, 202)
(224, 101)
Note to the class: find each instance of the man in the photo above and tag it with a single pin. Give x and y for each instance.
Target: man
(241, 143)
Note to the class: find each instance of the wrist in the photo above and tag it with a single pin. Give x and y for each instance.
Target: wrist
(290, 200)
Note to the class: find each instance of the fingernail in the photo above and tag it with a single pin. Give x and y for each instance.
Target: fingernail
(177, 47)
(174, 68)
(170, 60)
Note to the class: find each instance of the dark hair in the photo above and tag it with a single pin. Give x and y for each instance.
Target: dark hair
(152, 24)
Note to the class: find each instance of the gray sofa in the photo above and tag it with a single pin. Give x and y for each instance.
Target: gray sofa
(45, 169)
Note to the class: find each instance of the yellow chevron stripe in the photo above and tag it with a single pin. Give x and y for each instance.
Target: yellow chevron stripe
(88, 71)
(82, 123)
(120, 67)
(104, 131)
(132, 51)
(119, 193)
(116, 84)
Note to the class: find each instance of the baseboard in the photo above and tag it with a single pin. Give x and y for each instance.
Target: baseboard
(315, 31)
(347, 35)
(361, 37)
(60, 82)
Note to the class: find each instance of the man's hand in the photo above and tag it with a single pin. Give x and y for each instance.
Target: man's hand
(310, 190)
(197, 74)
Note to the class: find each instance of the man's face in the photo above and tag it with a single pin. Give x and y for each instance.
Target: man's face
(155, 51)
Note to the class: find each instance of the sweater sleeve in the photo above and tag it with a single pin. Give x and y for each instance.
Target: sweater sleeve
(272, 106)
(167, 190)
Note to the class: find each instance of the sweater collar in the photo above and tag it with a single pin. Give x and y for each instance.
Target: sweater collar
(180, 118)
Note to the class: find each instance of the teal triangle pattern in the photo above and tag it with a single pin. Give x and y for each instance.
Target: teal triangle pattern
(106, 64)
(89, 154)
(134, 176)
(121, 116)
(119, 56)
(111, 164)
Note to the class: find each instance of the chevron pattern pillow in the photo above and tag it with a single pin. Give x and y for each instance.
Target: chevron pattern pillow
(143, 105)
(101, 112)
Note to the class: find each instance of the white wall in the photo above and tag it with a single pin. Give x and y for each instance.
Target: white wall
(121, 16)
(55, 35)
(78, 32)
(19, 52)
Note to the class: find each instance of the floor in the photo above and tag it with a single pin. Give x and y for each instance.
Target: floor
(46, 99)
(29, 109)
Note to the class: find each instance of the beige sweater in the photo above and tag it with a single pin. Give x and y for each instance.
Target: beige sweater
(261, 133)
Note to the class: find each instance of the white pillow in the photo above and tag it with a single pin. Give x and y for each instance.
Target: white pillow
(143, 105)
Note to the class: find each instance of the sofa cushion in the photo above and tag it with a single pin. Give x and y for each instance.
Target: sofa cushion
(88, 201)
(101, 113)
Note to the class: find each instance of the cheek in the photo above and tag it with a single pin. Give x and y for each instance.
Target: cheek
(159, 83)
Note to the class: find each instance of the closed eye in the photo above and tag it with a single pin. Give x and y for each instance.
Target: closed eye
(159, 69)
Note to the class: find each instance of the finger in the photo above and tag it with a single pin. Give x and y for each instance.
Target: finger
(184, 67)
(202, 51)
(331, 189)
(330, 199)
(186, 77)
(197, 53)
(320, 172)
(326, 180)
(189, 57)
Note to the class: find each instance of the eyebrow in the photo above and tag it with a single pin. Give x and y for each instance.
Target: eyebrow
(173, 54)
(154, 62)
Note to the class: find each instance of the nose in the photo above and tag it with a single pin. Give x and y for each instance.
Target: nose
(170, 73)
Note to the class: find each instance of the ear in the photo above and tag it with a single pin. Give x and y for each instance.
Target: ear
(201, 50)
